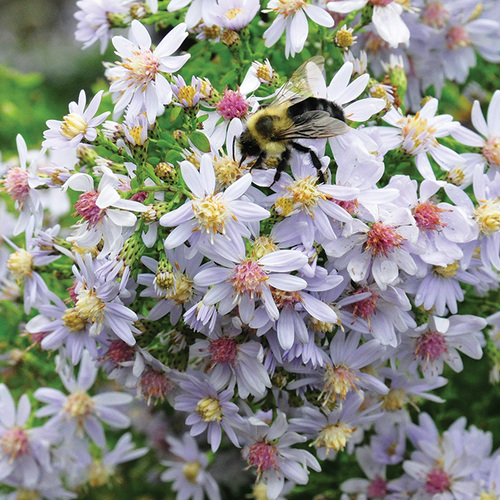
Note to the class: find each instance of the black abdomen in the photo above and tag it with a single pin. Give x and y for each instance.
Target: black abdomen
(316, 104)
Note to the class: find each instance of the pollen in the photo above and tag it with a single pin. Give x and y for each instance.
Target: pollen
(186, 95)
(305, 193)
(142, 67)
(394, 400)
(430, 346)
(191, 471)
(136, 134)
(232, 13)
(227, 171)
(78, 405)
(73, 125)
(263, 456)
(248, 277)
(86, 207)
(14, 442)
(211, 213)
(435, 15)
(383, 239)
(73, 321)
(491, 151)
(211, 33)
(89, 306)
(321, 326)
(16, 184)
(334, 436)
(344, 38)
(339, 380)
(209, 409)
(428, 216)
(20, 264)
(437, 481)
(284, 206)
(417, 134)
(263, 245)
(449, 271)
(223, 351)
(366, 307)
(183, 289)
(232, 105)
(487, 215)
(289, 7)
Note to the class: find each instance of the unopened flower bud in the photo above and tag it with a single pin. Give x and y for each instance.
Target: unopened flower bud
(230, 38)
(166, 172)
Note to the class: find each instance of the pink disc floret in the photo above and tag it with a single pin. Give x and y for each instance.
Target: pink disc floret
(491, 151)
(431, 346)
(437, 481)
(383, 239)
(248, 277)
(14, 442)
(223, 351)
(232, 105)
(16, 184)
(428, 216)
(382, 3)
(87, 208)
(366, 307)
(377, 488)
(262, 456)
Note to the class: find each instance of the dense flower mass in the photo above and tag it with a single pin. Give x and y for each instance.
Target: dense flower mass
(264, 267)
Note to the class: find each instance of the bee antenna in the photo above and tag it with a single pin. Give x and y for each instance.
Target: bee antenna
(234, 144)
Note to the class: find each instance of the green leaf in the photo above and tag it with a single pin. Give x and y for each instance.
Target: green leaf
(200, 140)
(176, 111)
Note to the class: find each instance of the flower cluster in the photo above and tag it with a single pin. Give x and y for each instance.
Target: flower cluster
(286, 309)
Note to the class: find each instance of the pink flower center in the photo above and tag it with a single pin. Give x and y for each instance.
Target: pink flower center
(427, 216)
(119, 352)
(383, 239)
(430, 346)
(435, 15)
(350, 206)
(86, 207)
(223, 351)
(491, 151)
(155, 385)
(366, 307)
(232, 105)
(263, 456)
(377, 488)
(16, 184)
(382, 3)
(14, 442)
(437, 481)
(457, 37)
(143, 66)
(247, 278)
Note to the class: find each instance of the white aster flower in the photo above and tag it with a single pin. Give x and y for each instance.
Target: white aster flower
(137, 80)
(292, 19)
(79, 124)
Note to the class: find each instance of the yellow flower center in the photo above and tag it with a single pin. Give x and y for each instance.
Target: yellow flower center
(491, 151)
(487, 215)
(191, 470)
(209, 409)
(211, 212)
(339, 380)
(89, 306)
(211, 32)
(289, 7)
(305, 193)
(394, 400)
(20, 264)
(485, 495)
(227, 171)
(334, 436)
(23, 494)
(99, 474)
(187, 94)
(135, 133)
(232, 13)
(73, 321)
(344, 38)
(419, 132)
(78, 405)
(259, 491)
(73, 125)
(456, 176)
(449, 271)
(263, 245)
(263, 73)
(183, 289)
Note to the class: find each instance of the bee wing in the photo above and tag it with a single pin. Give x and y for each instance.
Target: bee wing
(301, 84)
(314, 125)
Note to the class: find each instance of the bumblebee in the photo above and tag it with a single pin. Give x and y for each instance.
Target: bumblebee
(293, 114)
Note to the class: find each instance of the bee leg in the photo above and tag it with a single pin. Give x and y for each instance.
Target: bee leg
(314, 158)
(284, 160)
(258, 162)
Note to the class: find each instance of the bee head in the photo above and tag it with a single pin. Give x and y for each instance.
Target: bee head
(248, 145)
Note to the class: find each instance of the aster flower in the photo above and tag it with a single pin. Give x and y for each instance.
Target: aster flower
(432, 345)
(24, 452)
(209, 410)
(292, 18)
(49, 486)
(258, 74)
(268, 449)
(138, 81)
(188, 472)
(386, 18)
(78, 412)
(105, 214)
(197, 10)
(233, 14)
(79, 124)
(210, 212)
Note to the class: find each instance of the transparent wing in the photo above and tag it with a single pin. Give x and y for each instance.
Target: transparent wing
(301, 84)
(314, 125)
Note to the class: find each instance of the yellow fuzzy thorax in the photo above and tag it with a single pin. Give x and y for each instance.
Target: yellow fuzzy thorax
(281, 122)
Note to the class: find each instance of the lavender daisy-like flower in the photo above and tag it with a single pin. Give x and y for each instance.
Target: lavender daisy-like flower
(437, 343)
(24, 452)
(105, 214)
(292, 18)
(209, 410)
(78, 412)
(188, 472)
(137, 80)
(233, 14)
(79, 124)
(210, 211)
(268, 449)
(245, 281)
(386, 18)
(488, 138)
